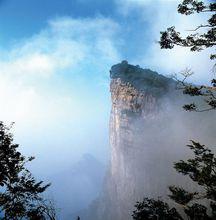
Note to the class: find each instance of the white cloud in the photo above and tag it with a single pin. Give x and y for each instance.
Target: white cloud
(63, 46)
(40, 89)
(160, 15)
(64, 43)
(37, 64)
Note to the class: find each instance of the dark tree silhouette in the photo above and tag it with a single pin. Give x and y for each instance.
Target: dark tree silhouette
(201, 169)
(196, 42)
(20, 193)
(151, 209)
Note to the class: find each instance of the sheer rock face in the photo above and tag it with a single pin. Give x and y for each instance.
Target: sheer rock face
(148, 133)
(135, 97)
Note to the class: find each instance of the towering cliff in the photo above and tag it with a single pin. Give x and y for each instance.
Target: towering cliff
(136, 101)
(147, 134)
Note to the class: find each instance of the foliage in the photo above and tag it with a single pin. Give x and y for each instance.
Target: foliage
(196, 42)
(201, 169)
(20, 193)
(209, 93)
(151, 209)
(142, 79)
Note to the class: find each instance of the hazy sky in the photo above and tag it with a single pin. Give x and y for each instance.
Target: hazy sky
(55, 58)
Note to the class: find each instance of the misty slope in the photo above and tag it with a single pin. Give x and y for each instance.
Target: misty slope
(148, 132)
(76, 187)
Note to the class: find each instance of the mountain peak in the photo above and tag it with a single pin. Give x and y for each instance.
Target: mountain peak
(141, 79)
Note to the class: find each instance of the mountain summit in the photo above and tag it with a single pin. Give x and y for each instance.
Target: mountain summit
(148, 132)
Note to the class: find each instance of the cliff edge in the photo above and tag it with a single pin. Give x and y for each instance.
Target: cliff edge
(148, 132)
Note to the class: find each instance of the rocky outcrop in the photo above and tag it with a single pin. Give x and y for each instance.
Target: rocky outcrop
(136, 95)
(148, 132)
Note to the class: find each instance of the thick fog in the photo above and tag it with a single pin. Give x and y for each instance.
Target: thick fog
(144, 151)
(71, 152)
(162, 140)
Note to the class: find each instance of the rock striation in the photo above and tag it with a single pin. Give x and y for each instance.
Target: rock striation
(136, 95)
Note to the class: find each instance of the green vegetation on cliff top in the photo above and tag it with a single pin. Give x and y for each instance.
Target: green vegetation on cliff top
(142, 79)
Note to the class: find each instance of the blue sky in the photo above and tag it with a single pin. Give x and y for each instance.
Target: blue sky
(140, 21)
(55, 58)
(24, 18)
